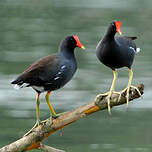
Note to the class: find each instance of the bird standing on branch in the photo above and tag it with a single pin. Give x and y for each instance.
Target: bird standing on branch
(51, 72)
(117, 52)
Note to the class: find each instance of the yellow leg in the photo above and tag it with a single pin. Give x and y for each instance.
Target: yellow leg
(108, 94)
(37, 108)
(128, 88)
(37, 115)
(111, 89)
(49, 104)
(129, 84)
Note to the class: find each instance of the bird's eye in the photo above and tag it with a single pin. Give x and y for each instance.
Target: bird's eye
(71, 39)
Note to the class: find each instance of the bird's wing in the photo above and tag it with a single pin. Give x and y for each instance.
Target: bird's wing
(130, 37)
(128, 43)
(34, 73)
(125, 41)
(137, 50)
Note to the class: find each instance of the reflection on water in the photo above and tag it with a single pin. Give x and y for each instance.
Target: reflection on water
(33, 29)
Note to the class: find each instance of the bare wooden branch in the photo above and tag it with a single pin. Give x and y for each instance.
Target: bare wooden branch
(46, 148)
(34, 139)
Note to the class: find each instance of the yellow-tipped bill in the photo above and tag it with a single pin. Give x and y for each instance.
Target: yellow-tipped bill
(78, 43)
(120, 33)
(82, 47)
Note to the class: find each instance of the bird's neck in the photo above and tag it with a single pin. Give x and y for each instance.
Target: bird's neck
(110, 34)
(68, 53)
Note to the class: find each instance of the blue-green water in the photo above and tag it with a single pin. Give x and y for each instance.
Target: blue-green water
(31, 29)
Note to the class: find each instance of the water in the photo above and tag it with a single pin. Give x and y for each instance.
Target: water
(31, 29)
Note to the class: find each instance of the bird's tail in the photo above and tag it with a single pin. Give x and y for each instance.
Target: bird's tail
(137, 50)
(19, 84)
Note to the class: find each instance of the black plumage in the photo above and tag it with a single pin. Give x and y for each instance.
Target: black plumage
(117, 52)
(51, 72)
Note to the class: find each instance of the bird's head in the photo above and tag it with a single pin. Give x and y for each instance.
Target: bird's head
(116, 26)
(71, 42)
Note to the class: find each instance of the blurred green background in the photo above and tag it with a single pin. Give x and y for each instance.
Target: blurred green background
(31, 29)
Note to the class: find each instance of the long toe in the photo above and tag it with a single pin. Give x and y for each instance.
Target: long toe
(127, 96)
(58, 115)
(38, 122)
(120, 94)
(136, 89)
(55, 116)
(99, 96)
(44, 121)
(108, 94)
(108, 103)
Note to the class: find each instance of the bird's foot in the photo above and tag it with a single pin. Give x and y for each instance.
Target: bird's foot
(46, 120)
(136, 90)
(127, 95)
(54, 116)
(108, 101)
(120, 94)
(115, 92)
(108, 94)
(127, 89)
(99, 96)
(38, 122)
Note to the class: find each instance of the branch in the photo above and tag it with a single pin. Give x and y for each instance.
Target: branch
(34, 139)
(46, 148)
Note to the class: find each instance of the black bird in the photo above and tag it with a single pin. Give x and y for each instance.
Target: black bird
(117, 52)
(51, 72)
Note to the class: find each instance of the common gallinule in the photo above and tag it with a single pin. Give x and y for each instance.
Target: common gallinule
(117, 52)
(51, 72)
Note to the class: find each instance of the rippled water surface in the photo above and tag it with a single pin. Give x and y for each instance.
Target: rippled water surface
(31, 29)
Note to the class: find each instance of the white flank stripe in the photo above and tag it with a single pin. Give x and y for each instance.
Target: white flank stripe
(63, 67)
(56, 78)
(132, 49)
